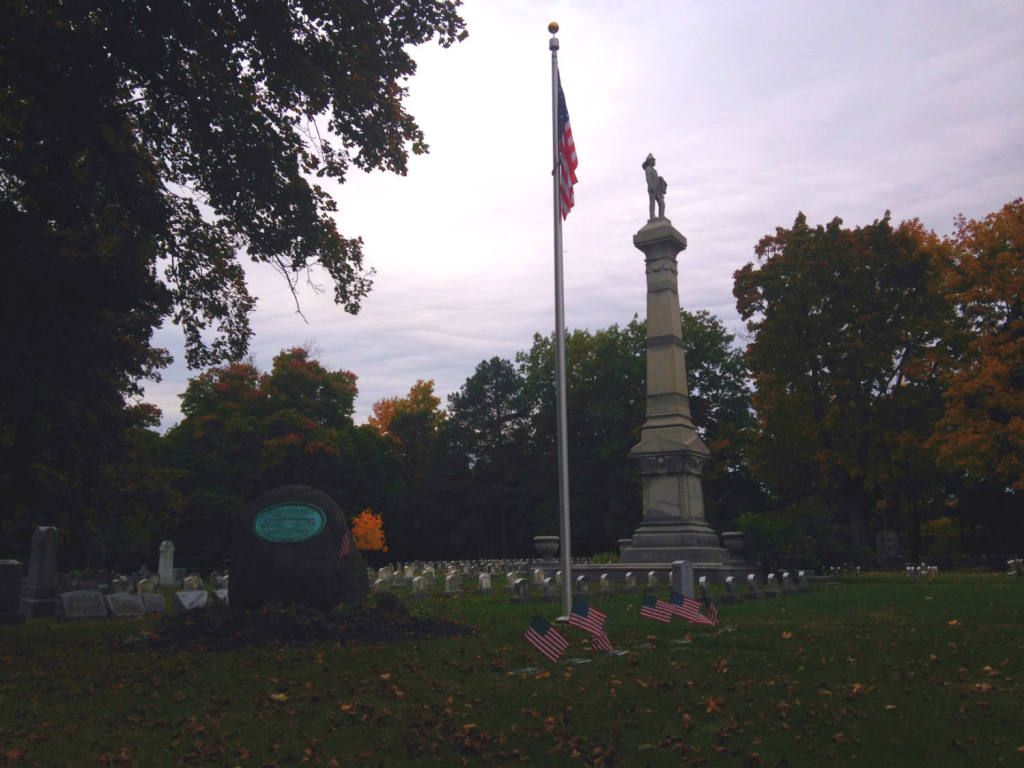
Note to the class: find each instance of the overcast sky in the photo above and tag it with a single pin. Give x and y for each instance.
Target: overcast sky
(754, 111)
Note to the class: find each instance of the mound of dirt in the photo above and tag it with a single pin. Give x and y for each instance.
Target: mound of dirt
(380, 620)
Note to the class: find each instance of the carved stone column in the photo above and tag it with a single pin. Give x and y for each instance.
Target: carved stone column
(670, 453)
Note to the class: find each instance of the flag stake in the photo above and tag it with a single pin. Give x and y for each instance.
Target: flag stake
(563, 450)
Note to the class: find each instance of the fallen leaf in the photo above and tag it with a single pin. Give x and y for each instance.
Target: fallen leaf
(279, 696)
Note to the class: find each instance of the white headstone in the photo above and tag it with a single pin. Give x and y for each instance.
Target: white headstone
(682, 578)
(82, 604)
(153, 602)
(191, 600)
(582, 584)
(484, 583)
(124, 604)
(630, 581)
(165, 568)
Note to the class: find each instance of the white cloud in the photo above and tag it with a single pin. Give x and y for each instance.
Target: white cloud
(755, 111)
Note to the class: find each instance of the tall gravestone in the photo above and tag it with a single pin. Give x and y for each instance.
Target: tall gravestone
(293, 545)
(165, 566)
(670, 454)
(39, 588)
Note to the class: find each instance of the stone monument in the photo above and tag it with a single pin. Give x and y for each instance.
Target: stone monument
(39, 588)
(292, 545)
(670, 454)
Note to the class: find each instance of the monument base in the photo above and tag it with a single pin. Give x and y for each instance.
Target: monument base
(671, 540)
(39, 602)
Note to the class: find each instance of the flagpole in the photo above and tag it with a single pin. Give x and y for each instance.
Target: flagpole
(563, 450)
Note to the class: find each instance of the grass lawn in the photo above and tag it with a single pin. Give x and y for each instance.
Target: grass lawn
(876, 670)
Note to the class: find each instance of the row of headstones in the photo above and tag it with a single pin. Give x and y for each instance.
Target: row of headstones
(842, 570)
(521, 588)
(92, 604)
(409, 571)
(140, 584)
(1015, 567)
(922, 570)
(775, 585)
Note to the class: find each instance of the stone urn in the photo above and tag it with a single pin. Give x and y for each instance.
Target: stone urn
(546, 546)
(735, 542)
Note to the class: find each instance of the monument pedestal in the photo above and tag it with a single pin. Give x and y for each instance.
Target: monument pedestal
(670, 453)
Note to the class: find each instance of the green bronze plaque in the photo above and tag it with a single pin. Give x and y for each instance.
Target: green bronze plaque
(289, 522)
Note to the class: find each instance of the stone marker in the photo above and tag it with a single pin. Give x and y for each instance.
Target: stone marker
(770, 586)
(752, 593)
(682, 578)
(558, 578)
(538, 576)
(419, 588)
(453, 584)
(582, 584)
(145, 586)
(81, 604)
(125, 604)
(787, 583)
(292, 545)
(153, 602)
(10, 592)
(39, 588)
(520, 591)
(191, 583)
(801, 582)
(705, 591)
(549, 591)
(120, 585)
(629, 582)
(191, 600)
(606, 583)
(652, 579)
(165, 568)
(484, 584)
(731, 595)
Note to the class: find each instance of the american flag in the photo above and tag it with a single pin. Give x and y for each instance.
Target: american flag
(346, 545)
(688, 608)
(713, 615)
(546, 639)
(567, 155)
(653, 608)
(592, 620)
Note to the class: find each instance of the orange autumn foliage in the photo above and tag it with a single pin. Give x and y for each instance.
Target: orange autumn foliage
(368, 532)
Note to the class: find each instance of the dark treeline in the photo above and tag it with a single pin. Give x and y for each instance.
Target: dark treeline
(880, 389)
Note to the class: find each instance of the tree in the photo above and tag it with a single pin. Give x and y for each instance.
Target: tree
(143, 148)
(845, 325)
(368, 532)
(245, 432)
(981, 431)
(486, 434)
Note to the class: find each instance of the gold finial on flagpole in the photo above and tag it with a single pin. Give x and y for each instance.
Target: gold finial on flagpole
(553, 27)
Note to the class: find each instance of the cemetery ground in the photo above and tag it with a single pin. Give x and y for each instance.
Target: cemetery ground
(879, 669)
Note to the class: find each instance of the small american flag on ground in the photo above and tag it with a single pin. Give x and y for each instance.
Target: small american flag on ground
(688, 608)
(567, 161)
(346, 545)
(653, 608)
(713, 615)
(592, 620)
(546, 639)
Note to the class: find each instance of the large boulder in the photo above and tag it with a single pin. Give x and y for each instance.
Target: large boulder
(293, 545)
